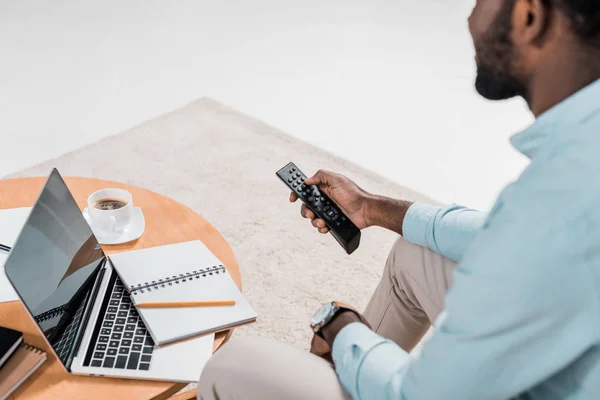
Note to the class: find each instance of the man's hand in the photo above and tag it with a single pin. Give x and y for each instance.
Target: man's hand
(351, 199)
(363, 208)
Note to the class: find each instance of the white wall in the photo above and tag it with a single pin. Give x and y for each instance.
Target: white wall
(385, 83)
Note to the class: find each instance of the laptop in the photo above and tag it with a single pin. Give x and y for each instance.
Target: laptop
(61, 274)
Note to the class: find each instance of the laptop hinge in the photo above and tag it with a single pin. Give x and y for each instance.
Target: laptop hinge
(86, 313)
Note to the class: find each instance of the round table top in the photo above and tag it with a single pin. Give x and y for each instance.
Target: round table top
(167, 222)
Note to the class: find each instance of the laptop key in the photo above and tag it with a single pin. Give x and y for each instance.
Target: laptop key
(114, 302)
(128, 335)
(103, 339)
(138, 339)
(121, 362)
(105, 331)
(132, 320)
(133, 361)
(118, 328)
(144, 367)
(124, 350)
(148, 350)
(146, 358)
(96, 363)
(116, 336)
(130, 328)
(136, 347)
(101, 346)
(110, 317)
(124, 306)
(109, 362)
(120, 321)
(111, 352)
(99, 354)
(122, 314)
(149, 341)
(126, 342)
(112, 309)
(113, 343)
(108, 324)
(140, 331)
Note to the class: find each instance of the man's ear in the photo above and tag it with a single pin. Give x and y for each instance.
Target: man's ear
(531, 20)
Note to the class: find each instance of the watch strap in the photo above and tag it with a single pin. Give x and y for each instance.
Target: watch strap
(344, 306)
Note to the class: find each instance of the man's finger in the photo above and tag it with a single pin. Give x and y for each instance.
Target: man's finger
(319, 223)
(320, 178)
(323, 230)
(293, 197)
(306, 213)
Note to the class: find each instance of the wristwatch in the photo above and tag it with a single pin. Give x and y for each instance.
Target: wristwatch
(327, 312)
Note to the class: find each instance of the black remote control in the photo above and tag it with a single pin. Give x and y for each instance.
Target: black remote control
(340, 226)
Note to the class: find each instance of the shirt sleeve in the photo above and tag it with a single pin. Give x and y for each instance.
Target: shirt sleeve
(446, 230)
(512, 319)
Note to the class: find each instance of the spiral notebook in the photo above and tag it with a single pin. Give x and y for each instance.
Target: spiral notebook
(181, 272)
(20, 366)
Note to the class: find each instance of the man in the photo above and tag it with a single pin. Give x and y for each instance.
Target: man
(521, 316)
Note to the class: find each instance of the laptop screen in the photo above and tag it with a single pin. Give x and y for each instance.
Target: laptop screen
(54, 264)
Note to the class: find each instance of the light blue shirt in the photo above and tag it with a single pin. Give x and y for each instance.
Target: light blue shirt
(522, 319)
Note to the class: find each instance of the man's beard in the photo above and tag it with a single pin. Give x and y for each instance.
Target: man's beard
(498, 60)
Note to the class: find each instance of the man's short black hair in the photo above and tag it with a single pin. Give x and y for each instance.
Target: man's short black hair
(584, 16)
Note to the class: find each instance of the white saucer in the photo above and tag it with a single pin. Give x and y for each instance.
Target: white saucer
(132, 232)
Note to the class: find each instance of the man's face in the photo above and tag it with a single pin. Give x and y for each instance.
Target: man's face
(498, 61)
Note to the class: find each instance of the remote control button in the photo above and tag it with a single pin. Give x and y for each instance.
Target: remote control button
(311, 198)
(293, 169)
(302, 178)
(322, 198)
(290, 180)
(335, 217)
(294, 184)
(316, 203)
(331, 213)
(304, 193)
(320, 208)
(343, 219)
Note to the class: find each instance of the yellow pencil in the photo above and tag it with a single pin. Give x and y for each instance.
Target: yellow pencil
(189, 304)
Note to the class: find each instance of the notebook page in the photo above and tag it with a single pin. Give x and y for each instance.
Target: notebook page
(171, 324)
(181, 272)
(141, 267)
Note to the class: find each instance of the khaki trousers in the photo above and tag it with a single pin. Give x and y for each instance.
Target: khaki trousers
(407, 300)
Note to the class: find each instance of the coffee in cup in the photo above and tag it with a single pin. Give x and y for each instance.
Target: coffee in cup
(110, 210)
(109, 204)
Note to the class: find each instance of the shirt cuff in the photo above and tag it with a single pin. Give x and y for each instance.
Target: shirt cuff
(349, 349)
(417, 223)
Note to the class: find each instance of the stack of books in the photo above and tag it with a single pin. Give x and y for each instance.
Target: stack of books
(18, 361)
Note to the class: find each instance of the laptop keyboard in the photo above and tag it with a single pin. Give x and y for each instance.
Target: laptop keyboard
(123, 341)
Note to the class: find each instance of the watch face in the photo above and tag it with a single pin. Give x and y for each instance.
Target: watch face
(322, 314)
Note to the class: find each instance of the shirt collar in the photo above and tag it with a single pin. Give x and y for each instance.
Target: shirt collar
(570, 111)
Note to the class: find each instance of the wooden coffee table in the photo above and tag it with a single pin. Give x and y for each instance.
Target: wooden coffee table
(167, 222)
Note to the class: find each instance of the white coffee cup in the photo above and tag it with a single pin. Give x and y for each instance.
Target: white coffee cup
(110, 220)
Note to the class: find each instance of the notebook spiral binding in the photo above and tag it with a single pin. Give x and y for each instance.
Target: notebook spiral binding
(176, 279)
(53, 313)
(31, 348)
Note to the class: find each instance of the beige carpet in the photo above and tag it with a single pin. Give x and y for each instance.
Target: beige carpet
(222, 164)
